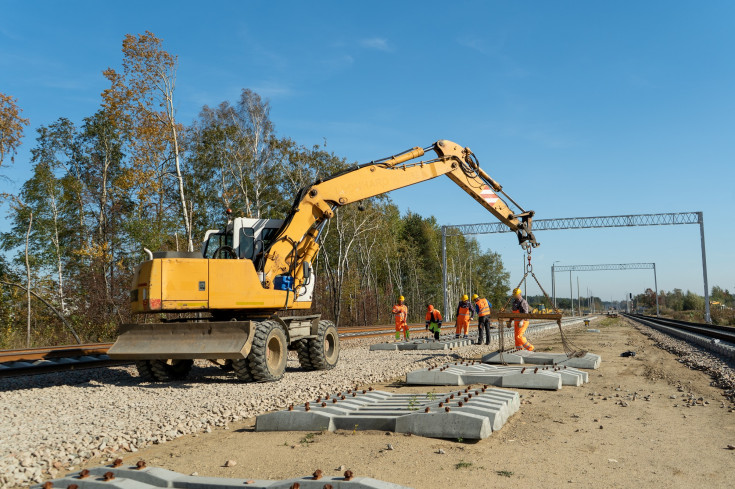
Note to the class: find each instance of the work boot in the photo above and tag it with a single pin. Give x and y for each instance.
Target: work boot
(465, 336)
(456, 336)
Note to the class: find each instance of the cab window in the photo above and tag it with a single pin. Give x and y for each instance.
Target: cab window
(215, 241)
(247, 243)
(267, 235)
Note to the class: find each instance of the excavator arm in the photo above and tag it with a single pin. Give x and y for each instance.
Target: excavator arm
(296, 243)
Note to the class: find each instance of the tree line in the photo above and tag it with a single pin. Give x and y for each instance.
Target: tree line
(689, 306)
(131, 176)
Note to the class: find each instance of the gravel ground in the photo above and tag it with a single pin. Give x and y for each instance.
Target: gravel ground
(721, 370)
(53, 423)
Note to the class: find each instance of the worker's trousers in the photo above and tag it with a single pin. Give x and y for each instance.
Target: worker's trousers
(463, 326)
(402, 327)
(436, 329)
(521, 341)
(483, 324)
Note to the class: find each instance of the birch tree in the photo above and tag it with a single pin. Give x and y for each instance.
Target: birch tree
(141, 99)
(11, 127)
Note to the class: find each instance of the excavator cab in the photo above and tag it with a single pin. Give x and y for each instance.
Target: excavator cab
(246, 238)
(242, 238)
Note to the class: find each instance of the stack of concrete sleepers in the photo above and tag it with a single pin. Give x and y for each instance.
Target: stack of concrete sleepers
(471, 414)
(521, 357)
(153, 477)
(444, 343)
(458, 373)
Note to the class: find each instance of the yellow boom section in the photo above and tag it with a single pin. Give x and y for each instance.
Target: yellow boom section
(296, 242)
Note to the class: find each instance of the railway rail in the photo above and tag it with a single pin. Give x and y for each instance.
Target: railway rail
(719, 339)
(34, 361)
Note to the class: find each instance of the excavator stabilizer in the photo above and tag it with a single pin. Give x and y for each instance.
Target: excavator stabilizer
(229, 340)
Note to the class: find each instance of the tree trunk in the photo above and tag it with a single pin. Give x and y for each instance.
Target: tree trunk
(28, 294)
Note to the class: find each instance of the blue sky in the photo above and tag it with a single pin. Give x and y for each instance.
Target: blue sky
(578, 108)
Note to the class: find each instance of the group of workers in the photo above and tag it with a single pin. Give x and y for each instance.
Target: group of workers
(466, 312)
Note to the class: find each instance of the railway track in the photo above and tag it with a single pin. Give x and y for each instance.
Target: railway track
(34, 361)
(719, 339)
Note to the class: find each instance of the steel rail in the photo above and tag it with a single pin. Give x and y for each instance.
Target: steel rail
(31, 361)
(717, 339)
(724, 333)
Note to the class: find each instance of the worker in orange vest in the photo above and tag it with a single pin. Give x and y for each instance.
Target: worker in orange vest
(483, 309)
(433, 321)
(400, 312)
(520, 305)
(464, 314)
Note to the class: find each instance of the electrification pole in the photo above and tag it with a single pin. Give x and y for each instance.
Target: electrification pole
(571, 292)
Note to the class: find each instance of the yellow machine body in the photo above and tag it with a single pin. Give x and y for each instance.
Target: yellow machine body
(253, 269)
(201, 284)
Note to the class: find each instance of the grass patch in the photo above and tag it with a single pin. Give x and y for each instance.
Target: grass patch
(308, 439)
(462, 465)
(504, 473)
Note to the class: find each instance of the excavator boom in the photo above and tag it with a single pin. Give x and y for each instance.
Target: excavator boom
(296, 242)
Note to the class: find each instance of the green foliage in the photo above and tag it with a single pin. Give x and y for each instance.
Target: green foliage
(463, 465)
(11, 127)
(308, 439)
(102, 190)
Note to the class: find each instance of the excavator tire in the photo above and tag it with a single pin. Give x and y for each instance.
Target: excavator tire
(302, 350)
(268, 354)
(164, 370)
(242, 369)
(144, 370)
(324, 349)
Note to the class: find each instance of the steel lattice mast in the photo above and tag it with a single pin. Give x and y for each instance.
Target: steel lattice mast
(629, 220)
(595, 268)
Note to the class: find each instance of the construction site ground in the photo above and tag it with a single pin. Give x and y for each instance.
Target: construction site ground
(632, 425)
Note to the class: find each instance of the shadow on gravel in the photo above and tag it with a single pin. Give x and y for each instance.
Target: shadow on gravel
(122, 376)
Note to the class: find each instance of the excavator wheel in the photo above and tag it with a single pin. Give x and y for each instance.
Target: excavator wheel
(302, 350)
(268, 354)
(324, 349)
(242, 369)
(144, 370)
(164, 370)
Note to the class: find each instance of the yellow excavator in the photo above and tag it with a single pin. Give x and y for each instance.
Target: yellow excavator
(235, 301)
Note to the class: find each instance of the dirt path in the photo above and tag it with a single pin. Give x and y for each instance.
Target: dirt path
(631, 425)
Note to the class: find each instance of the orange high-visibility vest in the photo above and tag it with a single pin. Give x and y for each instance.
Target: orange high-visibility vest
(463, 315)
(434, 316)
(483, 306)
(401, 313)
